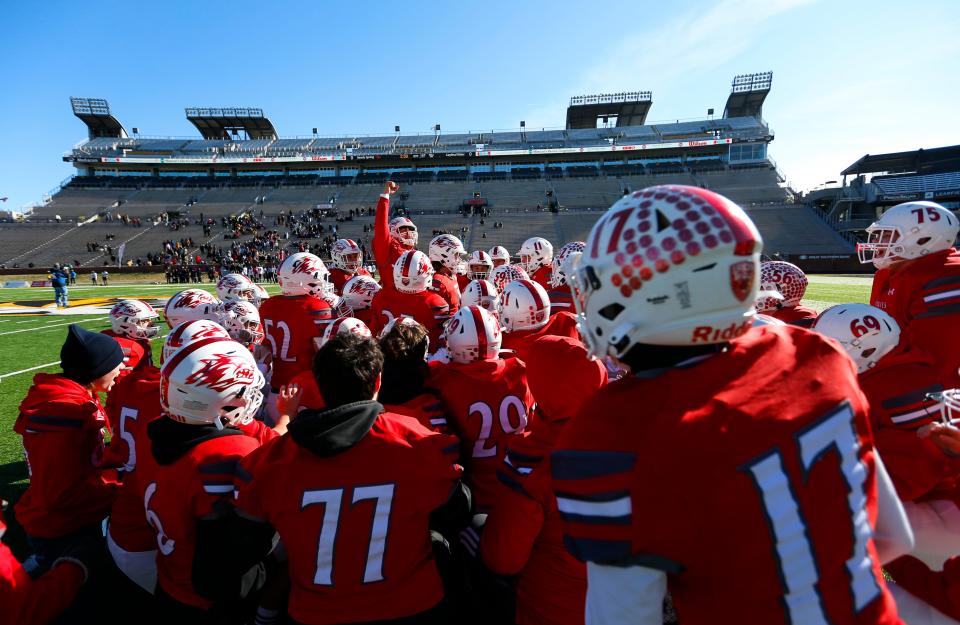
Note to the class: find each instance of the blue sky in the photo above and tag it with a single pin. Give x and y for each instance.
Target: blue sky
(849, 77)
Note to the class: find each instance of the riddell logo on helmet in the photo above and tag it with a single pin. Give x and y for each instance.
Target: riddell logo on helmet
(710, 334)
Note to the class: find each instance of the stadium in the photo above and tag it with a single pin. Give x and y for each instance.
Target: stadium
(160, 214)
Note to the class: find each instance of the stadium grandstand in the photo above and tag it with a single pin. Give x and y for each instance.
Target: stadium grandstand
(876, 182)
(491, 187)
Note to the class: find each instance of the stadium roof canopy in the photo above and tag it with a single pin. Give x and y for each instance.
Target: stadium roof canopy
(227, 123)
(630, 109)
(95, 113)
(747, 94)
(932, 160)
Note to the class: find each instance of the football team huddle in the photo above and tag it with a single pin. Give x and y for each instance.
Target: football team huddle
(644, 427)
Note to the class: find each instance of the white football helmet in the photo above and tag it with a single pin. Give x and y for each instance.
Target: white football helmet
(211, 381)
(412, 273)
(557, 277)
(192, 304)
(404, 230)
(359, 291)
(867, 333)
(448, 250)
(479, 265)
(499, 256)
(504, 274)
(191, 331)
(949, 404)
(536, 252)
(259, 295)
(235, 286)
(782, 285)
(669, 265)
(524, 305)
(481, 293)
(908, 231)
(346, 255)
(304, 274)
(339, 305)
(343, 325)
(133, 319)
(242, 321)
(472, 334)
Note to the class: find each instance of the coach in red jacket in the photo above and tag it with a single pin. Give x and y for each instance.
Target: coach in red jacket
(62, 421)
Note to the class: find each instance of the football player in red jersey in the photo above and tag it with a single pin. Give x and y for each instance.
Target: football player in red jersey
(358, 293)
(405, 374)
(131, 324)
(525, 317)
(353, 492)
(561, 300)
(347, 260)
(41, 600)
(391, 237)
(486, 398)
(782, 286)
(536, 256)
(522, 535)
(293, 319)
(900, 382)
(206, 387)
(773, 415)
(62, 424)
(447, 257)
(918, 274)
(411, 297)
(479, 266)
(499, 256)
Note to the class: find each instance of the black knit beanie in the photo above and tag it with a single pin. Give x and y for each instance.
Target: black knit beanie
(86, 356)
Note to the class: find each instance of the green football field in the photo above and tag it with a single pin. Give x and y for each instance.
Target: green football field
(30, 344)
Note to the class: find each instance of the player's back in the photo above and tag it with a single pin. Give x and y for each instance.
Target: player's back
(427, 308)
(447, 287)
(520, 341)
(354, 522)
(486, 402)
(290, 324)
(748, 477)
(561, 299)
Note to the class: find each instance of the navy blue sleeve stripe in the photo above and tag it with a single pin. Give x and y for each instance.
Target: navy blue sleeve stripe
(582, 465)
(451, 449)
(944, 281)
(511, 483)
(804, 323)
(243, 474)
(65, 422)
(600, 551)
(913, 397)
(940, 311)
(227, 466)
(589, 519)
(606, 496)
(524, 458)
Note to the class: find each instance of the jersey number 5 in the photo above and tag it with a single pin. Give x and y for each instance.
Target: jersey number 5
(798, 570)
(332, 498)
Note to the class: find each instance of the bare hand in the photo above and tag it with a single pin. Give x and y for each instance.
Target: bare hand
(946, 437)
(391, 187)
(288, 399)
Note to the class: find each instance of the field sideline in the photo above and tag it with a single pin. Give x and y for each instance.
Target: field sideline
(30, 344)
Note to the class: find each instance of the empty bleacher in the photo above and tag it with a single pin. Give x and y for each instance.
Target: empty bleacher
(912, 183)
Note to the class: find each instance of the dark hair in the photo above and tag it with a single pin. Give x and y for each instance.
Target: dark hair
(346, 369)
(404, 367)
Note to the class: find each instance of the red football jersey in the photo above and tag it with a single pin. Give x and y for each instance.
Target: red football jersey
(543, 276)
(487, 402)
(447, 288)
(386, 249)
(897, 390)
(311, 397)
(427, 308)
(339, 277)
(746, 474)
(795, 315)
(132, 404)
(177, 495)
(426, 408)
(561, 299)
(355, 524)
(462, 281)
(923, 296)
(560, 324)
(134, 353)
(291, 323)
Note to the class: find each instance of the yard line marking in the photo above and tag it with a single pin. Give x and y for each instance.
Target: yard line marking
(49, 326)
(13, 373)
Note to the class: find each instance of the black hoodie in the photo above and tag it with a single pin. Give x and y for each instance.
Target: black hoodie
(330, 431)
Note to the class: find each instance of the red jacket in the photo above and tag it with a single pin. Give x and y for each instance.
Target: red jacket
(24, 600)
(62, 428)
